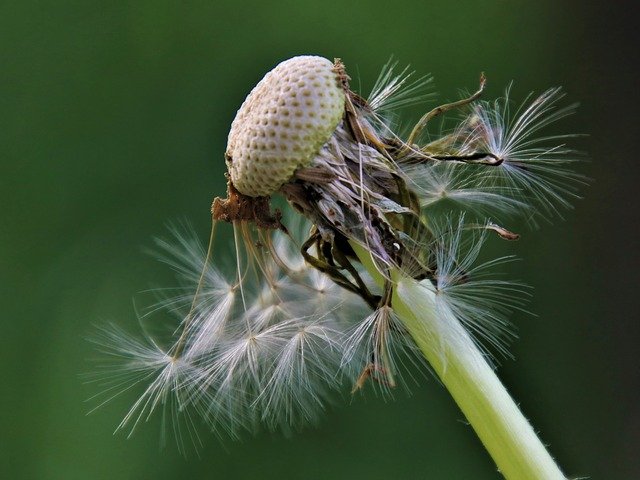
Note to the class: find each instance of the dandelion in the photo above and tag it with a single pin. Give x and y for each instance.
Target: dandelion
(374, 265)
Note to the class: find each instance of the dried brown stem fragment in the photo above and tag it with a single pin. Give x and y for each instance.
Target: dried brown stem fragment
(238, 207)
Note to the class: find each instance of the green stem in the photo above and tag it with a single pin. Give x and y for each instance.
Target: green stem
(462, 368)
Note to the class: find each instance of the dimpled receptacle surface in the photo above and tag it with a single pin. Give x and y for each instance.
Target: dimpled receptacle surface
(283, 123)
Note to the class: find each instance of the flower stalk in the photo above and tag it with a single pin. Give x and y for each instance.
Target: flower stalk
(461, 367)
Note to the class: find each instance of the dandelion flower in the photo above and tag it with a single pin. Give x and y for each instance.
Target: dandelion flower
(372, 266)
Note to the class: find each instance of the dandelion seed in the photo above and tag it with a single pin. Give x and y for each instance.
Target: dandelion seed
(165, 381)
(470, 290)
(305, 370)
(381, 350)
(393, 91)
(366, 276)
(471, 191)
(536, 168)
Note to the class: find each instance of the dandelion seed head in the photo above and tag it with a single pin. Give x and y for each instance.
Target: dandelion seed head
(375, 221)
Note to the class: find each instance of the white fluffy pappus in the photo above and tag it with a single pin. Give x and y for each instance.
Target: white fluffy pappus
(274, 360)
(526, 171)
(536, 167)
(480, 300)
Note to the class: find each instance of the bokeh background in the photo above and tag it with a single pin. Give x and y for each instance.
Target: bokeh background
(113, 121)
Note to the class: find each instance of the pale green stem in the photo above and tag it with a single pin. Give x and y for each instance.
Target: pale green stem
(462, 368)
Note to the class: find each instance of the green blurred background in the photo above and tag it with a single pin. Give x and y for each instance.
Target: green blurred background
(113, 120)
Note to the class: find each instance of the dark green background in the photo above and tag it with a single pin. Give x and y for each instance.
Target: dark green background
(113, 120)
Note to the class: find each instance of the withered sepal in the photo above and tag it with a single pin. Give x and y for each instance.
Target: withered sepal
(239, 207)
